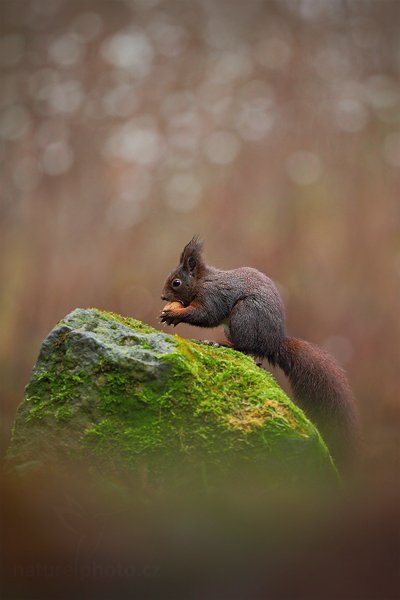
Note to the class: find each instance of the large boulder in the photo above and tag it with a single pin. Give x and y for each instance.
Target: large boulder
(119, 395)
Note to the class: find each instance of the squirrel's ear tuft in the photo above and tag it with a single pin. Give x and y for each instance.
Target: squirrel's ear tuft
(191, 257)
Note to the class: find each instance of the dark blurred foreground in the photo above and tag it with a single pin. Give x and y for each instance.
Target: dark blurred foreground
(269, 128)
(63, 538)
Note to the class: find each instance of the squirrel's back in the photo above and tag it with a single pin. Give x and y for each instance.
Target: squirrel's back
(253, 313)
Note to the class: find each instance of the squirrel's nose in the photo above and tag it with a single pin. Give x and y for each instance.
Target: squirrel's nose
(163, 297)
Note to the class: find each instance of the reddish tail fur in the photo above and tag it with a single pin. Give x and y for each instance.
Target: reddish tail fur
(320, 387)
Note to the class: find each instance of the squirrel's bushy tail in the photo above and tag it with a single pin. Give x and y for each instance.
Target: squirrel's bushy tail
(321, 389)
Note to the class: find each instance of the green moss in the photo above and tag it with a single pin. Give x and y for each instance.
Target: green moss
(243, 395)
(128, 321)
(51, 388)
(63, 413)
(123, 393)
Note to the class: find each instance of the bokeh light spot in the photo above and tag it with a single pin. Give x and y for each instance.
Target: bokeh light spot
(382, 92)
(14, 122)
(169, 38)
(121, 101)
(351, 115)
(65, 97)
(67, 50)
(221, 147)
(183, 192)
(254, 118)
(229, 66)
(304, 168)
(57, 158)
(131, 51)
(134, 142)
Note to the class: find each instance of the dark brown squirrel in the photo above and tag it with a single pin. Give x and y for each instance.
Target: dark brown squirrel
(247, 303)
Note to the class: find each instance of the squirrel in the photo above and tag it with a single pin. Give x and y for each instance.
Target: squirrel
(247, 303)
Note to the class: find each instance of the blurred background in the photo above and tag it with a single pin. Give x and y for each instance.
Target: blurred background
(271, 129)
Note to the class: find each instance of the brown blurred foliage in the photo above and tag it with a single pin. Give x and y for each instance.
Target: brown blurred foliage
(269, 128)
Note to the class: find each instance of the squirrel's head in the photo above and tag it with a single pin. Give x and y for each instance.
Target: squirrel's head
(181, 284)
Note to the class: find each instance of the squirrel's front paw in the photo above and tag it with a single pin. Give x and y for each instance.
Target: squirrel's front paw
(169, 317)
(171, 313)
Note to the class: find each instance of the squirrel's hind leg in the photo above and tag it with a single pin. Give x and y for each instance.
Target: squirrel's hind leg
(254, 329)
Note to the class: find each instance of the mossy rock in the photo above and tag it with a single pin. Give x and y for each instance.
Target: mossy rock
(121, 395)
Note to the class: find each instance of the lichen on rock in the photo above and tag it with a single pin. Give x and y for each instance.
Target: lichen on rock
(122, 395)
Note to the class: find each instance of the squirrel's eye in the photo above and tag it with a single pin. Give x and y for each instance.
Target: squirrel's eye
(176, 283)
